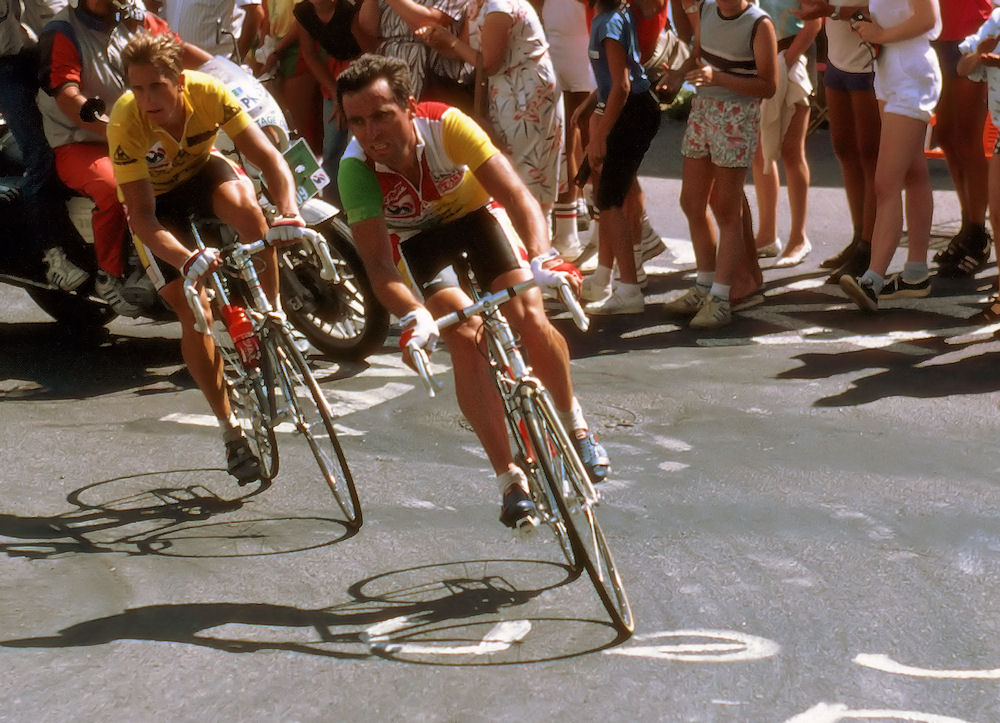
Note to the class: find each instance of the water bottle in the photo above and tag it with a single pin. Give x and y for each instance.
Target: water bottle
(241, 330)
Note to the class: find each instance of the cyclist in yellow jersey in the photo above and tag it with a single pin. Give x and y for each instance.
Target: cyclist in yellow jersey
(417, 183)
(160, 138)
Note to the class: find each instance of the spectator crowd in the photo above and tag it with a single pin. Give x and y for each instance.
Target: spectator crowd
(572, 93)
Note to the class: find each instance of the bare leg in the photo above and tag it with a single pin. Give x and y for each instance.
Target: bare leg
(793, 156)
(961, 114)
(696, 188)
(767, 184)
(899, 164)
(727, 207)
(198, 350)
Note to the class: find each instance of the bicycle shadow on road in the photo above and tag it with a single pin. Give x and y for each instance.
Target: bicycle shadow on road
(164, 513)
(42, 361)
(435, 620)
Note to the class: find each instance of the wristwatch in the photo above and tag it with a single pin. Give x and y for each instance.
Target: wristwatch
(835, 12)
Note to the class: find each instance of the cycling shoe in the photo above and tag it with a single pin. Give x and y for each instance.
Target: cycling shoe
(241, 462)
(517, 508)
(594, 457)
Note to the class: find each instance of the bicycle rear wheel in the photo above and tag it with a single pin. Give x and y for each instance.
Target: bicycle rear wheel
(575, 500)
(248, 399)
(303, 404)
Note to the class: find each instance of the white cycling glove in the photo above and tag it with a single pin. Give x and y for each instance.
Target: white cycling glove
(553, 275)
(286, 229)
(420, 328)
(199, 263)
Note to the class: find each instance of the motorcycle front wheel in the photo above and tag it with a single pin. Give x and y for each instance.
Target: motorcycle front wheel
(342, 318)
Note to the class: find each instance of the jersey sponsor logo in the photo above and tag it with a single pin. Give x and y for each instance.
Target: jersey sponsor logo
(121, 158)
(449, 182)
(399, 201)
(156, 157)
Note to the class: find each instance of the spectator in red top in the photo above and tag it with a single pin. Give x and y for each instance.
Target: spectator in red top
(960, 115)
(80, 55)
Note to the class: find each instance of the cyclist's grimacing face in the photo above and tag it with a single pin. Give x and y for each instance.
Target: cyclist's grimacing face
(158, 96)
(383, 128)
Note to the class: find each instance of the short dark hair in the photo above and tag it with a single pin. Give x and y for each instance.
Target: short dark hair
(368, 68)
(164, 52)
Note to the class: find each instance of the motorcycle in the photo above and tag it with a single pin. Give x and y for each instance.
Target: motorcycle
(340, 315)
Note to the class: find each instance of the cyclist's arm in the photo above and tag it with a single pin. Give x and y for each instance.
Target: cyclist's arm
(500, 180)
(371, 237)
(141, 204)
(253, 144)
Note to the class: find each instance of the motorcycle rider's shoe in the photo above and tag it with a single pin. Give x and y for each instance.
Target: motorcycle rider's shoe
(138, 289)
(109, 288)
(60, 271)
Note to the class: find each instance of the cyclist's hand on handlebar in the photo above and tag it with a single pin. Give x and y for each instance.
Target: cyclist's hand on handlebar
(201, 263)
(550, 271)
(286, 230)
(420, 329)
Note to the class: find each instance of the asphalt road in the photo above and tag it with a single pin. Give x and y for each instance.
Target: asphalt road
(803, 507)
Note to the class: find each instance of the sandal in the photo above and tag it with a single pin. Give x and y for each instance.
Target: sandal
(988, 315)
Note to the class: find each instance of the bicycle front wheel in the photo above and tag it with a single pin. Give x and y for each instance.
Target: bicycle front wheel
(575, 501)
(299, 399)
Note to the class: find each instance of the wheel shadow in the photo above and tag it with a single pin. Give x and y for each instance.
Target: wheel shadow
(166, 513)
(440, 614)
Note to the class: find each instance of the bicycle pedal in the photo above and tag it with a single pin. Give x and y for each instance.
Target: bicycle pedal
(526, 528)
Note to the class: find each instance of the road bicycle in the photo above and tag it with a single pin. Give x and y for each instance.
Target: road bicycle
(559, 484)
(270, 386)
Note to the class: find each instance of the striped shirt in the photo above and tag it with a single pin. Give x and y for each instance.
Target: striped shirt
(727, 45)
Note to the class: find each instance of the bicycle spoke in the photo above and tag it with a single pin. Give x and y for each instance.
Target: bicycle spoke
(310, 414)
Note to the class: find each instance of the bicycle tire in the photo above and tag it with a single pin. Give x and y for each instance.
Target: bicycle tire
(571, 490)
(248, 399)
(310, 412)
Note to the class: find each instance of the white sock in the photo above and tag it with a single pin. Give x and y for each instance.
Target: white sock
(565, 231)
(573, 420)
(602, 275)
(720, 291)
(704, 279)
(512, 476)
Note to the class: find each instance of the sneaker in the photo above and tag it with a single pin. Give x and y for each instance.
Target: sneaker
(569, 248)
(593, 290)
(713, 314)
(856, 264)
(109, 288)
(896, 287)
(687, 304)
(594, 457)
(516, 509)
(60, 271)
(139, 289)
(861, 292)
(619, 302)
(967, 253)
(640, 273)
(241, 462)
(651, 245)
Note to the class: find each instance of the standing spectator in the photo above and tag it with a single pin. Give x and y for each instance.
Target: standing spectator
(395, 22)
(783, 125)
(294, 87)
(979, 59)
(42, 197)
(624, 121)
(959, 119)
(207, 24)
(853, 113)
(908, 85)
(565, 24)
(525, 109)
(327, 46)
(733, 65)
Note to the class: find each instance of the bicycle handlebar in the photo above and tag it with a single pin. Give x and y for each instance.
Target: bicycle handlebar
(194, 301)
(319, 245)
(420, 359)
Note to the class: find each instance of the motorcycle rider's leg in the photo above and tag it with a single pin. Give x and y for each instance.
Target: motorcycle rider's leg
(86, 168)
(235, 203)
(198, 350)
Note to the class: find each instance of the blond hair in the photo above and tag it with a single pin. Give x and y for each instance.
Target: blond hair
(164, 52)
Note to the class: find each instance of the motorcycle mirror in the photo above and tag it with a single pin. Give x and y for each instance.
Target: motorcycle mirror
(93, 110)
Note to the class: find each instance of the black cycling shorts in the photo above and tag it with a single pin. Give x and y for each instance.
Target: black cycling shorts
(491, 250)
(175, 208)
